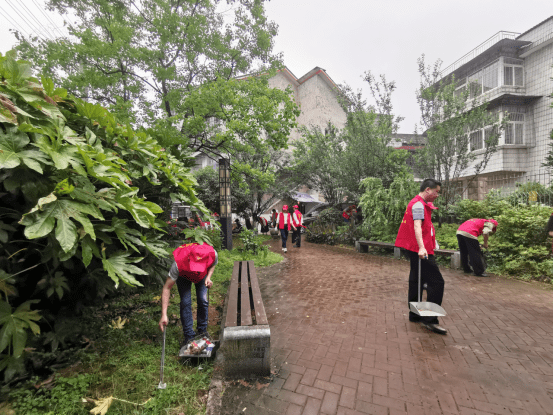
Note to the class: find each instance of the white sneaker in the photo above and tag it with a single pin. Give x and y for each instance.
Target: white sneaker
(285, 250)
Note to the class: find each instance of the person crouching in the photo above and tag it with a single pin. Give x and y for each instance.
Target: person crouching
(194, 264)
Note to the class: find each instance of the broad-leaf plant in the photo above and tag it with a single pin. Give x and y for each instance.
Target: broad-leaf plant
(83, 205)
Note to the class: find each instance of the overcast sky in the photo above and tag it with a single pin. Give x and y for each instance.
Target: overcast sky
(349, 37)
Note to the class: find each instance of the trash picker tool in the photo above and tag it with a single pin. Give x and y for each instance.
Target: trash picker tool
(161, 384)
(425, 309)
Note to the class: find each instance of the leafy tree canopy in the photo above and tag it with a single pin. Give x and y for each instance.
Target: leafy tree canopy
(172, 66)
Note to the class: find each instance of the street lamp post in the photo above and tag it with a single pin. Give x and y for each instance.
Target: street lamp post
(224, 202)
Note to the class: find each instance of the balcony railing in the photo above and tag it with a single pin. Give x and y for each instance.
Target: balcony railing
(478, 50)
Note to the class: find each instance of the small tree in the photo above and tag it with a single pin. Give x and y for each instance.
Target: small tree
(318, 161)
(449, 116)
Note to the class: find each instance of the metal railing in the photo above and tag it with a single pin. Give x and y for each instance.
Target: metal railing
(478, 50)
(518, 188)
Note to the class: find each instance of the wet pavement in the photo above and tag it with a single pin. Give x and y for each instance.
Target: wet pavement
(341, 342)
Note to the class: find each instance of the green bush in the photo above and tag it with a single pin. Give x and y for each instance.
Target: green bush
(491, 207)
(63, 399)
(343, 235)
(330, 216)
(251, 244)
(383, 209)
(83, 201)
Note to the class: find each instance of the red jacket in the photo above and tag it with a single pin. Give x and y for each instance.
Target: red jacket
(281, 220)
(406, 234)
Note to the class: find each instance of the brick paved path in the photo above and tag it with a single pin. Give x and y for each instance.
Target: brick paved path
(341, 342)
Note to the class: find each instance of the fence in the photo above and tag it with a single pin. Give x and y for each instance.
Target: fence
(516, 187)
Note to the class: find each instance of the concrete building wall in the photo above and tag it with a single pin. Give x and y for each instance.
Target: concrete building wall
(522, 162)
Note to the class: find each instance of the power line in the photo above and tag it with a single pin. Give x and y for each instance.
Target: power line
(44, 28)
(26, 20)
(61, 34)
(14, 23)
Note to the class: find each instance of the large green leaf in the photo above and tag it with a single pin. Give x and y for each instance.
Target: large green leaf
(119, 266)
(40, 220)
(15, 325)
(12, 153)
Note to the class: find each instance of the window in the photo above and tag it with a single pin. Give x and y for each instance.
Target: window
(489, 133)
(490, 76)
(513, 72)
(514, 131)
(460, 86)
(484, 80)
(476, 142)
(475, 84)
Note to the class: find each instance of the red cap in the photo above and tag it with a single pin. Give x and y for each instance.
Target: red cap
(296, 207)
(285, 207)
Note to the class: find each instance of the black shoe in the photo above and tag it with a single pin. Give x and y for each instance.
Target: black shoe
(414, 318)
(482, 275)
(295, 246)
(435, 328)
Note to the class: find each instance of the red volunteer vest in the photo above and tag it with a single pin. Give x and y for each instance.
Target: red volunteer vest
(406, 234)
(475, 226)
(281, 220)
(263, 221)
(296, 219)
(184, 262)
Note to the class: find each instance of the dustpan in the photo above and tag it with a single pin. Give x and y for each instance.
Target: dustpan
(425, 308)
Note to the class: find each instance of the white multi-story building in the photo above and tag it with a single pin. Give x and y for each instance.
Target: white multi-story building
(513, 73)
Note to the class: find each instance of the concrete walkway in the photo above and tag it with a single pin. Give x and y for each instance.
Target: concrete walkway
(341, 342)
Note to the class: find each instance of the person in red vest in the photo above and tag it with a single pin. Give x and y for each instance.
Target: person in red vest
(417, 236)
(469, 247)
(297, 221)
(349, 212)
(284, 224)
(264, 224)
(194, 264)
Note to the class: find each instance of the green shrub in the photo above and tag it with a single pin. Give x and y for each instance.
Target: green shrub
(330, 216)
(251, 244)
(84, 202)
(63, 399)
(383, 209)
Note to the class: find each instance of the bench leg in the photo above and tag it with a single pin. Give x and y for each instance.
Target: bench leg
(397, 252)
(456, 260)
(361, 247)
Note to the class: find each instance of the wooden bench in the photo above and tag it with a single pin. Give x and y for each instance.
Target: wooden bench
(246, 336)
(363, 246)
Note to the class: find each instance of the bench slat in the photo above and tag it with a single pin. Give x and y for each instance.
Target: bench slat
(245, 307)
(232, 309)
(376, 243)
(445, 251)
(260, 315)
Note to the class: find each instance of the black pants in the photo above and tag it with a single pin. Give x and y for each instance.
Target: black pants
(471, 255)
(432, 277)
(296, 237)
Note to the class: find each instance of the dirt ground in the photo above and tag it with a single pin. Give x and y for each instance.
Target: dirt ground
(341, 342)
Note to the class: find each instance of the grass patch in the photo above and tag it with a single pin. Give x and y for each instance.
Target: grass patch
(125, 363)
